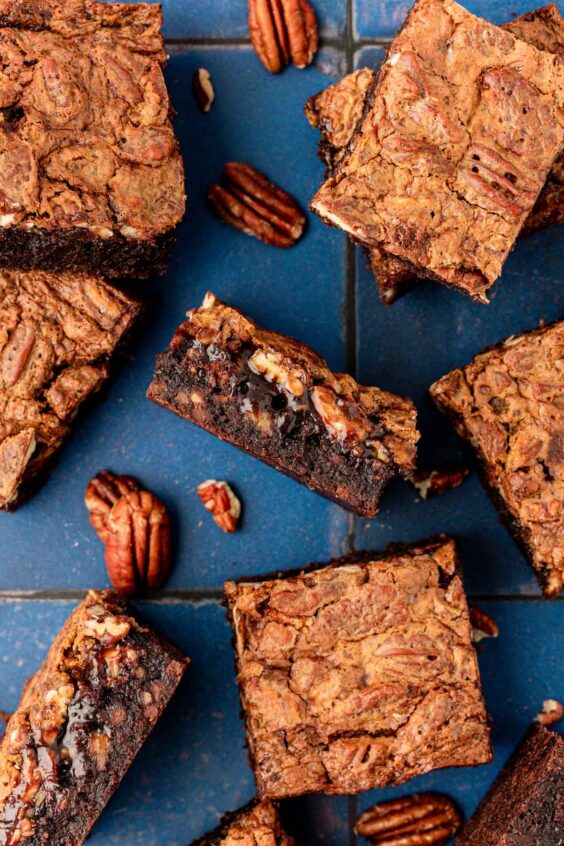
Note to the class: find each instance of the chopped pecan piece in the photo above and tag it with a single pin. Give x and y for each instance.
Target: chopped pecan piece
(252, 204)
(102, 493)
(283, 31)
(445, 477)
(552, 711)
(424, 819)
(482, 624)
(203, 89)
(218, 497)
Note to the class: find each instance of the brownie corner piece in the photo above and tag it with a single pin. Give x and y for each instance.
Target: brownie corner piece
(524, 804)
(81, 720)
(508, 404)
(255, 824)
(276, 399)
(360, 673)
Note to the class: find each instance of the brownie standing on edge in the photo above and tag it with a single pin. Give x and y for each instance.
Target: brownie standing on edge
(81, 721)
(524, 805)
(257, 824)
(91, 175)
(58, 334)
(360, 673)
(276, 399)
(461, 130)
(508, 404)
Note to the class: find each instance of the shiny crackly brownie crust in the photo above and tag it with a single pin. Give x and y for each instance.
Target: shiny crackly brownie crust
(449, 160)
(58, 336)
(257, 824)
(81, 720)
(91, 175)
(509, 404)
(276, 399)
(524, 803)
(360, 673)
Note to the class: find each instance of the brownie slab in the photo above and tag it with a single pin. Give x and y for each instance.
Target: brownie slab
(91, 175)
(276, 399)
(81, 721)
(360, 673)
(508, 403)
(58, 335)
(463, 127)
(257, 824)
(524, 804)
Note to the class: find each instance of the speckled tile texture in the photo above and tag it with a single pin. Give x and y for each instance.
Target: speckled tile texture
(194, 767)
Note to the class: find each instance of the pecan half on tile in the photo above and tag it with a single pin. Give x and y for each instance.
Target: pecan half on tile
(252, 204)
(424, 819)
(283, 31)
(101, 495)
(220, 500)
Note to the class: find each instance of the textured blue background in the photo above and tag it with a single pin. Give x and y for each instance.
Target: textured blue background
(194, 767)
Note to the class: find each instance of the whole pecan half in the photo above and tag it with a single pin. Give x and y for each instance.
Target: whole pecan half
(424, 819)
(218, 497)
(138, 543)
(252, 204)
(101, 495)
(283, 31)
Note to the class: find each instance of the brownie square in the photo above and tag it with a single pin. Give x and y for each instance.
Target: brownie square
(462, 129)
(524, 804)
(360, 673)
(257, 824)
(508, 404)
(81, 721)
(91, 175)
(58, 336)
(275, 398)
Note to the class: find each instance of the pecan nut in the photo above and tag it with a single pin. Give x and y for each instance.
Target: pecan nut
(219, 499)
(252, 204)
(424, 819)
(482, 624)
(203, 89)
(101, 495)
(552, 711)
(283, 31)
(445, 477)
(138, 543)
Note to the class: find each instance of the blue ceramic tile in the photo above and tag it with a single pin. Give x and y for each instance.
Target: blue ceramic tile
(382, 18)
(369, 57)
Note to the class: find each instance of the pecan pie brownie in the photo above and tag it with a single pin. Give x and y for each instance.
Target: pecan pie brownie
(360, 673)
(276, 399)
(257, 824)
(58, 335)
(463, 126)
(91, 175)
(81, 721)
(509, 404)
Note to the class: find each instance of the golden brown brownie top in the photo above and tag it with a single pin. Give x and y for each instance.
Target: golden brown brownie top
(360, 673)
(257, 825)
(85, 133)
(509, 403)
(465, 124)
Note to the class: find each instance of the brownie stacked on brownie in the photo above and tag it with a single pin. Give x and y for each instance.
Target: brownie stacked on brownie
(257, 824)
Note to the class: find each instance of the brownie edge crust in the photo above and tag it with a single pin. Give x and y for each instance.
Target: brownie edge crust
(257, 824)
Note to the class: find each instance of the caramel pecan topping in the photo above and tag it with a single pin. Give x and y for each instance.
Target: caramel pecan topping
(283, 31)
(424, 819)
(101, 495)
(482, 624)
(218, 497)
(447, 476)
(252, 204)
(552, 711)
(203, 89)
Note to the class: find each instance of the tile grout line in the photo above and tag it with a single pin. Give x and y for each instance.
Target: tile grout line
(330, 41)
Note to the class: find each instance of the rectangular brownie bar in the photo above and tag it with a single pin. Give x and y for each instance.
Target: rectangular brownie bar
(81, 721)
(91, 175)
(58, 335)
(257, 824)
(360, 673)
(338, 109)
(462, 129)
(278, 400)
(508, 403)
(524, 804)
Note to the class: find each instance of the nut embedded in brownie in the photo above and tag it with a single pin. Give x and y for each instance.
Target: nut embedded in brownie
(91, 175)
(58, 335)
(524, 804)
(81, 721)
(360, 673)
(450, 145)
(278, 400)
(257, 824)
(508, 404)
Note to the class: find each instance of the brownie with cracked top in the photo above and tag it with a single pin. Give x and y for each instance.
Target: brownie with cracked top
(58, 336)
(81, 721)
(509, 404)
(338, 109)
(91, 175)
(463, 126)
(278, 400)
(257, 824)
(524, 804)
(360, 673)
